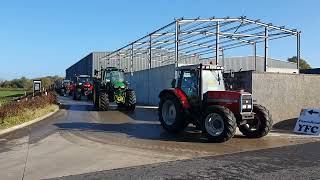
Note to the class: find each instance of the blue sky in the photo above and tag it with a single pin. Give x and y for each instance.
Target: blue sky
(39, 38)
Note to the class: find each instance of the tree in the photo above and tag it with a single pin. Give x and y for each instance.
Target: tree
(303, 63)
(27, 84)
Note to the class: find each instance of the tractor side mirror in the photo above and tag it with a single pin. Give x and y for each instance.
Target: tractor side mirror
(173, 83)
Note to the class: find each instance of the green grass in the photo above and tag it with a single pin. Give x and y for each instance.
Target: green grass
(12, 89)
(8, 94)
(26, 116)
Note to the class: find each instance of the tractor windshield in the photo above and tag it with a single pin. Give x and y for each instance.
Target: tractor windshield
(84, 79)
(114, 76)
(212, 80)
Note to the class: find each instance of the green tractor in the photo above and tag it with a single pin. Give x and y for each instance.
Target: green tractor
(111, 87)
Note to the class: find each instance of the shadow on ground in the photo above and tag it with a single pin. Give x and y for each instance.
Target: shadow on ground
(285, 125)
(140, 131)
(143, 114)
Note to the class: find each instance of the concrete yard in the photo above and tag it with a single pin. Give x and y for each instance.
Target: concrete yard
(79, 142)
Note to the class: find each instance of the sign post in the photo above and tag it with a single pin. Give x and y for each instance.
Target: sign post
(37, 87)
(308, 122)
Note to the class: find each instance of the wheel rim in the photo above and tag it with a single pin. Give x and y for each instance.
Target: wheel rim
(169, 112)
(214, 124)
(255, 124)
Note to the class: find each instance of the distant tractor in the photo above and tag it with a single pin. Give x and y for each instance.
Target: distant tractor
(198, 96)
(111, 87)
(66, 87)
(82, 87)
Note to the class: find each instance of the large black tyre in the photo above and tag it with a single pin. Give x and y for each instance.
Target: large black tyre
(131, 100)
(260, 126)
(95, 99)
(76, 95)
(219, 124)
(171, 114)
(104, 102)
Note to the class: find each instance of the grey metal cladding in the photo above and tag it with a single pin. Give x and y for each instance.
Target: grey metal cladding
(93, 61)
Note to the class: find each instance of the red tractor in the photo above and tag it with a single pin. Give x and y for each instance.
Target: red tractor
(199, 97)
(83, 86)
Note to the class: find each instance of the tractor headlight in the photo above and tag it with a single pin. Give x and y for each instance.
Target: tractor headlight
(122, 87)
(246, 100)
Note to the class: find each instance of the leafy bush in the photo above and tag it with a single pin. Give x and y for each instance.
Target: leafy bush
(15, 108)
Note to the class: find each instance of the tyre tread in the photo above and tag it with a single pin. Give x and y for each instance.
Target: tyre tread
(266, 128)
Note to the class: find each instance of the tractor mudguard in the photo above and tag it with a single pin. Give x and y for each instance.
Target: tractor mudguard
(178, 93)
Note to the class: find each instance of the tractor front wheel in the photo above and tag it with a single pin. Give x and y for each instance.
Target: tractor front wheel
(260, 125)
(104, 102)
(171, 114)
(130, 100)
(219, 124)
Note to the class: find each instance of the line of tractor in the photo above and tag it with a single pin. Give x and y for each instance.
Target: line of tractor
(198, 96)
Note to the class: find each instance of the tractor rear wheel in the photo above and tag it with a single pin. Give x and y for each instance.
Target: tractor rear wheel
(95, 99)
(260, 125)
(104, 102)
(171, 114)
(76, 95)
(219, 124)
(130, 100)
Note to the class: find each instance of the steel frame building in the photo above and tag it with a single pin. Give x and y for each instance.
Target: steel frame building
(206, 39)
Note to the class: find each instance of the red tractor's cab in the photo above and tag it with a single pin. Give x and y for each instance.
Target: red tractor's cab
(199, 97)
(83, 86)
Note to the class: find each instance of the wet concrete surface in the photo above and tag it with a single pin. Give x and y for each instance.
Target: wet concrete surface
(78, 139)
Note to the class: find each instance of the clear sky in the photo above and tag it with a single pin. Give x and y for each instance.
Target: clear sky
(39, 38)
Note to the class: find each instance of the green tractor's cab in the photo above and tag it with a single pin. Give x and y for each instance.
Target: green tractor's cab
(112, 87)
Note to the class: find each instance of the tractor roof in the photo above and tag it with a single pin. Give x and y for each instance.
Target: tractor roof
(197, 66)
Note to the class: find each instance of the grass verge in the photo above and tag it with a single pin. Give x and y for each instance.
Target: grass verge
(27, 115)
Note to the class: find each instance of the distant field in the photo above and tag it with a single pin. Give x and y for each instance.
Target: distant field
(8, 94)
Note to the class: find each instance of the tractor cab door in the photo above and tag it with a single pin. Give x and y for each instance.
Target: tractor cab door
(212, 80)
(188, 82)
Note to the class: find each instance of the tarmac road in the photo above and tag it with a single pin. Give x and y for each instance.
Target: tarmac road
(78, 140)
(289, 162)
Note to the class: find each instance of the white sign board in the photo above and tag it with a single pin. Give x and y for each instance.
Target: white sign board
(36, 86)
(308, 122)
